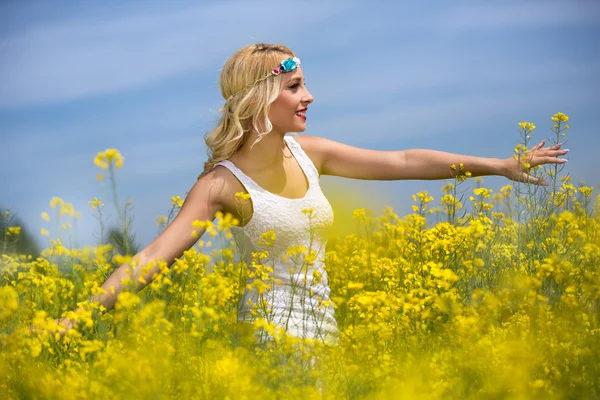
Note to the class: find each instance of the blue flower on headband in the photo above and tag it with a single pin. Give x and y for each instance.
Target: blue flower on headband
(287, 65)
(290, 64)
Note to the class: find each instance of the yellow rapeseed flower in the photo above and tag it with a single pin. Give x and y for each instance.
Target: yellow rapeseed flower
(13, 230)
(586, 190)
(177, 201)
(242, 195)
(267, 238)
(527, 126)
(359, 213)
(483, 192)
(100, 161)
(560, 117)
(95, 203)
(355, 285)
(56, 201)
(9, 301)
(45, 216)
(106, 158)
(310, 212)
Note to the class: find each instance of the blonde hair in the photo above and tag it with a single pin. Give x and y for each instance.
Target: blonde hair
(246, 110)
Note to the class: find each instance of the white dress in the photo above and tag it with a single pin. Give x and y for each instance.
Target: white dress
(300, 300)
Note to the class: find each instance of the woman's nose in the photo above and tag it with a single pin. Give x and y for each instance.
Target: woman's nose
(309, 97)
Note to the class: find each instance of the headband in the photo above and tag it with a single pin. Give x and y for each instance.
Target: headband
(286, 65)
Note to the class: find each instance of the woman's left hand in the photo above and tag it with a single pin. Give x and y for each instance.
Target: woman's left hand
(517, 170)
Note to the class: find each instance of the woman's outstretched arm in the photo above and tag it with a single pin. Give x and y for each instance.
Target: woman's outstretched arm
(202, 203)
(338, 159)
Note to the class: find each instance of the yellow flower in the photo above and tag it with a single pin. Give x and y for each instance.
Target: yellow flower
(95, 204)
(527, 126)
(106, 158)
(9, 301)
(127, 301)
(67, 208)
(560, 117)
(161, 220)
(359, 213)
(110, 154)
(56, 201)
(177, 201)
(483, 192)
(309, 211)
(242, 195)
(45, 216)
(44, 232)
(100, 176)
(586, 190)
(355, 285)
(13, 230)
(267, 238)
(100, 161)
(506, 190)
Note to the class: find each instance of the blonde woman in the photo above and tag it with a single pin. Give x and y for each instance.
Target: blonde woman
(250, 151)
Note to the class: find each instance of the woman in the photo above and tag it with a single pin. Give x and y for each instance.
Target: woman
(266, 98)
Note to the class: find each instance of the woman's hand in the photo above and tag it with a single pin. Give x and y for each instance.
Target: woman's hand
(517, 170)
(69, 324)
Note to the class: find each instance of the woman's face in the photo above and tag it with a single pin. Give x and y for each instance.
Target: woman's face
(287, 112)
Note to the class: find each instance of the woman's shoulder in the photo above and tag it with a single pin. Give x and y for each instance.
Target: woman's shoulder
(310, 145)
(223, 185)
(217, 184)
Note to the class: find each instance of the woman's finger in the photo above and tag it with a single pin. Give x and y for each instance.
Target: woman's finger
(538, 146)
(553, 153)
(533, 179)
(554, 160)
(547, 160)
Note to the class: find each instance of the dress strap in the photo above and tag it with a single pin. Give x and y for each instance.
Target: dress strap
(251, 187)
(303, 159)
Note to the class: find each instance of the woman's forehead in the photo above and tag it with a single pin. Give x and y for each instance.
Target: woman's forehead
(295, 75)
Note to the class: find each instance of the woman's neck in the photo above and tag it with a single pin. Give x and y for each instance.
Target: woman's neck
(265, 154)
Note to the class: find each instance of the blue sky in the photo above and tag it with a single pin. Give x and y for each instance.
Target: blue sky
(79, 77)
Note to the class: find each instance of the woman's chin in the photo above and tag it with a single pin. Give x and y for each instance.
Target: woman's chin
(300, 128)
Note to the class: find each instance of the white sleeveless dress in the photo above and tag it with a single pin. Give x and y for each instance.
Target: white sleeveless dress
(296, 303)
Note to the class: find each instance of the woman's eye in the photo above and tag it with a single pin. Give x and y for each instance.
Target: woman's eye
(295, 86)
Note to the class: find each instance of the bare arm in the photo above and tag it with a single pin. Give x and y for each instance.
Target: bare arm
(338, 159)
(201, 203)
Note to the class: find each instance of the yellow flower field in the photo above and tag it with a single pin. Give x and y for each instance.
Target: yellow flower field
(475, 295)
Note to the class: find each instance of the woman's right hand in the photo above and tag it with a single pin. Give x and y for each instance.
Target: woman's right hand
(69, 324)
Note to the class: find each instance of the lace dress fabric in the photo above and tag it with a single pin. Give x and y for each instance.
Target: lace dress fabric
(298, 294)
